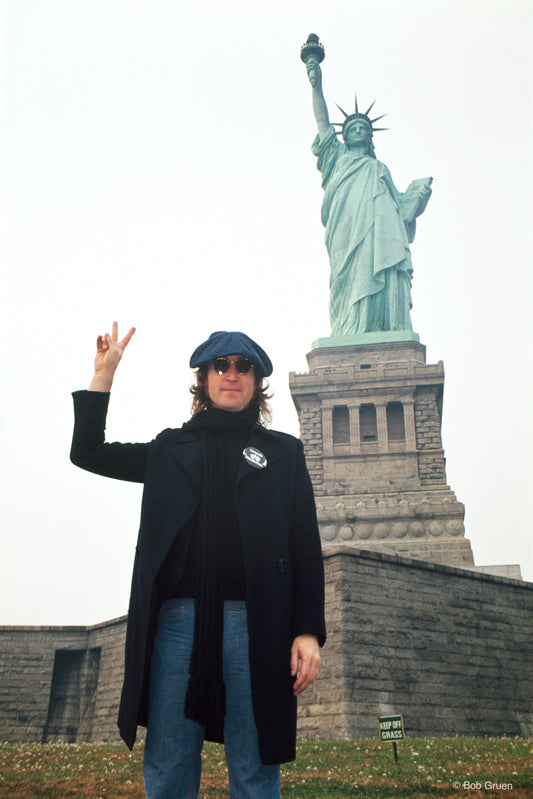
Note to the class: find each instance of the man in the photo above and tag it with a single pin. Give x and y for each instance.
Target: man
(227, 603)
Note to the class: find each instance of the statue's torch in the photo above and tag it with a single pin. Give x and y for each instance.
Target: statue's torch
(312, 50)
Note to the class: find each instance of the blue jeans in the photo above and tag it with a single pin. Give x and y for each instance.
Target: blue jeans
(172, 757)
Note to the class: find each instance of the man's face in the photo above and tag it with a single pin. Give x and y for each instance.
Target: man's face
(230, 391)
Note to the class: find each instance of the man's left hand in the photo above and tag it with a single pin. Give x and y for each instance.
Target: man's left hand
(305, 661)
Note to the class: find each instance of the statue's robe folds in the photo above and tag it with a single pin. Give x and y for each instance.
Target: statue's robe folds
(367, 241)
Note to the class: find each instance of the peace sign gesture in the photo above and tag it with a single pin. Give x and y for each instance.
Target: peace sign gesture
(109, 351)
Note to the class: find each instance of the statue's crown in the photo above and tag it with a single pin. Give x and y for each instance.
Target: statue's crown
(349, 118)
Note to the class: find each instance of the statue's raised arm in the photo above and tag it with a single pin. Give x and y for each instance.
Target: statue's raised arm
(369, 224)
(312, 54)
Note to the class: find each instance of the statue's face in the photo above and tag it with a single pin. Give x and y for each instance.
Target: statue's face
(357, 134)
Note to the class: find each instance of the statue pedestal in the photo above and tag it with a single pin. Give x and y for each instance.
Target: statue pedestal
(370, 420)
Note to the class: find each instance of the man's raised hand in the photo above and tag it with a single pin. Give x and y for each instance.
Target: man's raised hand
(109, 351)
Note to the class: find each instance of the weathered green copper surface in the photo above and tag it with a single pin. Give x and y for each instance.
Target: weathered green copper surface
(376, 337)
(369, 224)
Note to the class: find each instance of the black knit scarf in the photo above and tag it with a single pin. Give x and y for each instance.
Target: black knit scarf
(206, 694)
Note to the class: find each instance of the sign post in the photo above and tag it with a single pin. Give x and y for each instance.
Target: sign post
(391, 729)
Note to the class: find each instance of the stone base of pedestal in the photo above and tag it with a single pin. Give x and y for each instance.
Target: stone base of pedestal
(426, 524)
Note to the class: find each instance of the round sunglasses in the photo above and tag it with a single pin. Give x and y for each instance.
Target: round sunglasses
(242, 365)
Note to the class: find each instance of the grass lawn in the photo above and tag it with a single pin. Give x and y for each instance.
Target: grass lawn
(429, 767)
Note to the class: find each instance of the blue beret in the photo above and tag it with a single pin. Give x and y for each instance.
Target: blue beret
(224, 343)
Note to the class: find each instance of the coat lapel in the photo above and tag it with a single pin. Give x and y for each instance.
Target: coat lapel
(258, 440)
(186, 450)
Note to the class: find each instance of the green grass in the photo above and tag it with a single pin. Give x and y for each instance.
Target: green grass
(426, 768)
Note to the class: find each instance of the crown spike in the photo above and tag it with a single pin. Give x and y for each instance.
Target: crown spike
(369, 109)
(356, 107)
(378, 118)
(342, 110)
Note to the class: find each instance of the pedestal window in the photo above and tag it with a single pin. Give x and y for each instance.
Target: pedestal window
(395, 422)
(341, 424)
(368, 423)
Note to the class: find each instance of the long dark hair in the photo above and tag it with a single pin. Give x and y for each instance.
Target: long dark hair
(201, 399)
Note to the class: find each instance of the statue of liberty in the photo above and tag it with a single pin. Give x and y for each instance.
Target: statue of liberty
(369, 224)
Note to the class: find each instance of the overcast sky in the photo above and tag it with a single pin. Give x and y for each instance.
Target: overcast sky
(157, 170)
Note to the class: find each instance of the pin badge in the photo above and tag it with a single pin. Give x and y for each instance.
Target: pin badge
(254, 457)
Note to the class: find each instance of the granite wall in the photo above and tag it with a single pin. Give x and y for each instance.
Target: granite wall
(449, 649)
(61, 683)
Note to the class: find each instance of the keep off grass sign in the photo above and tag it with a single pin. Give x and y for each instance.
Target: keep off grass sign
(391, 728)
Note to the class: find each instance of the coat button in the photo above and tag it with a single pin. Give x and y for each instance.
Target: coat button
(281, 566)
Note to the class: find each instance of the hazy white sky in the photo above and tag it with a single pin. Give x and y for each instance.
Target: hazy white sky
(157, 169)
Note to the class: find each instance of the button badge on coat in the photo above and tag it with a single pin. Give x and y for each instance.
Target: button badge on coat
(254, 457)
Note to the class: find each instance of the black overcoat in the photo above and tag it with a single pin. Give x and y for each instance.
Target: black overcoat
(281, 550)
